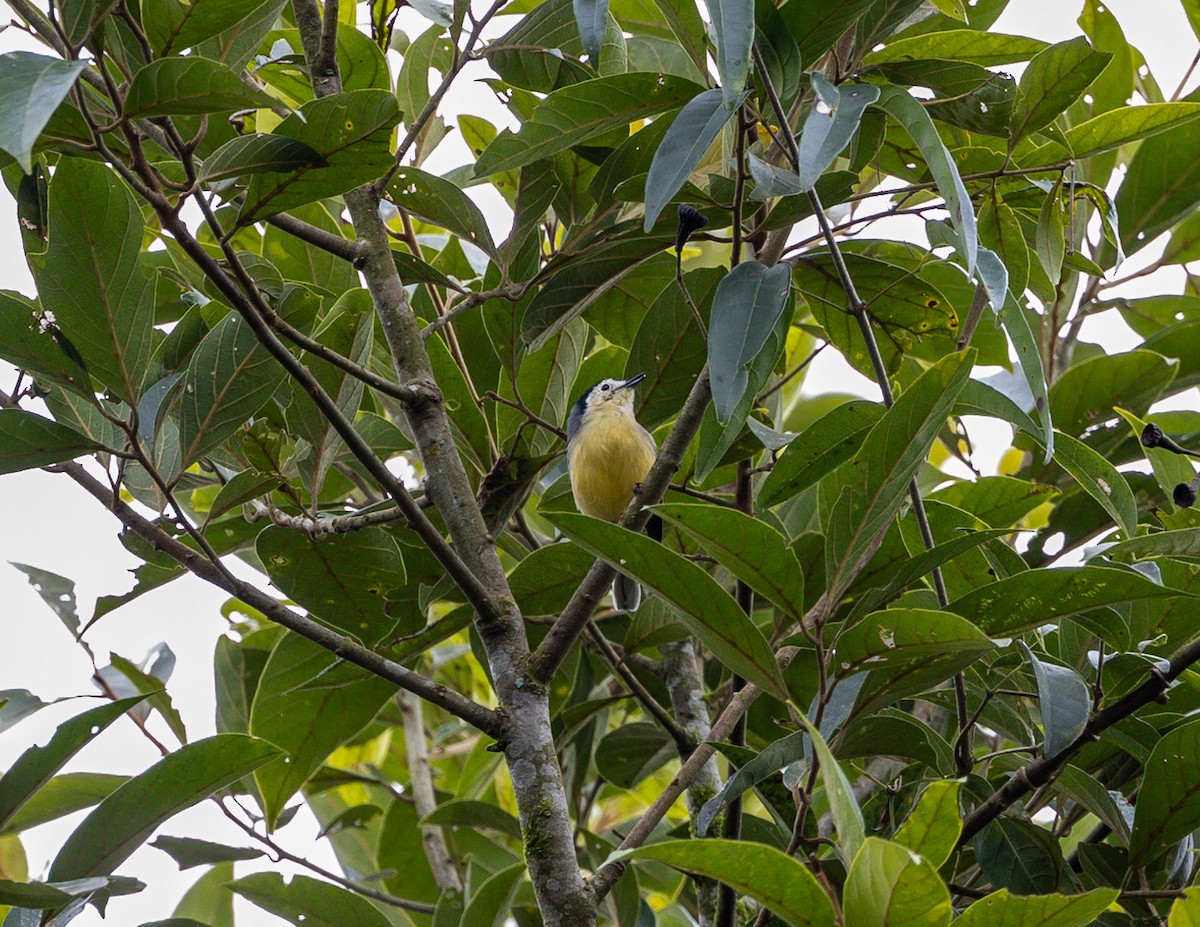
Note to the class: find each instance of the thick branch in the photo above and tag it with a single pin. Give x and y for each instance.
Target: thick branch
(485, 719)
(1037, 773)
(574, 618)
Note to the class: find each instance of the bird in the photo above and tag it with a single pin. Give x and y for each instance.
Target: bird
(609, 453)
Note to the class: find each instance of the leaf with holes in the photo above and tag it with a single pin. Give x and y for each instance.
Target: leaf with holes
(345, 580)
(352, 132)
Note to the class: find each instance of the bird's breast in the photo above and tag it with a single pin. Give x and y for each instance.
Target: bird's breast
(607, 459)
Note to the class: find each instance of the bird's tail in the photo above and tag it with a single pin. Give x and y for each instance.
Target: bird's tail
(627, 593)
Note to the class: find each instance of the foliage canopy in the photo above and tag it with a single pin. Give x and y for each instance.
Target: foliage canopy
(871, 686)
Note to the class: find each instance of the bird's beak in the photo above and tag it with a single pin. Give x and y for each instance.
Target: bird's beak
(632, 381)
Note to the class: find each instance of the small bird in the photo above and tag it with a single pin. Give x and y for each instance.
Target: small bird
(608, 456)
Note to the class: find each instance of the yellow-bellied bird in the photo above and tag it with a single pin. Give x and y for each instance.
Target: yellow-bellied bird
(608, 456)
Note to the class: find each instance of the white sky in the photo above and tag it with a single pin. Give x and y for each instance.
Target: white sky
(51, 524)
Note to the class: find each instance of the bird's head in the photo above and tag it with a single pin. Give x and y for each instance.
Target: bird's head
(609, 394)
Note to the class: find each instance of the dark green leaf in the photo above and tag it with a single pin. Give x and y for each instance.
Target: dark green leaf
(36, 766)
(256, 154)
(816, 24)
(580, 112)
(687, 139)
(57, 592)
(591, 17)
(632, 752)
(746, 308)
(1055, 79)
(707, 609)
(1019, 856)
(983, 48)
(490, 904)
(32, 86)
(1039, 597)
(308, 703)
(172, 25)
(749, 548)
(64, 794)
(1119, 127)
(89, 279)
(229, 378)
(308, 902)
(1168, 803)
(877, 479)
(189, 86)
(900, 635)
(188, 851)
(439, 201)
(28, 441)
(826, 444)
(1099, 479)
(121, 822)
(467, 813)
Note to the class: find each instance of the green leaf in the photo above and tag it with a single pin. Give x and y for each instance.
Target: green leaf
(188, 851)
(174, 26)
(1099, 479)
(582, 111)
(733, 29)
(1064, 702)
(1051, 234)
(208, 900)
(308, 703)
(983, 48)
(59, 894)
(822, 447)
(464, 812)
(847, 816)
(30, 341)
(89, 280)
(121, 822)
(931, 829)
(437, 200)
(1168, 803)
(745, 310)
(308, 902)
(591, 16)
(1003, 909)
(707, 609)
(64, 794)
(1020, 856)
(1017, 326)
(348, 581)
(669, 347)
(1056, 77)
(748, 547)
(491, 903)
(257, 154)
(909, 112)
(229, 378)
(32, 86)
(28, 441)
(897, 636)
(826, 135)
(1038, 597)
(189, 86)
(889, 885)
(776, 756)
(540, 52)
(626, 756)
(1161, 185)
(35, 767)
(1000, 231)
(772, 878)
(1185, 912)
(816, 24)
(56, 591)
(876, 481)
(688, 137)
(351, 131)
(1087, 392)
(1118, 127)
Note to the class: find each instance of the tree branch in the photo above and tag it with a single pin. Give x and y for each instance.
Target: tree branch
(424, 797)
(485, 719)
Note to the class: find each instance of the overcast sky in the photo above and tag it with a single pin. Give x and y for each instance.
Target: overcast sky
(49, 523)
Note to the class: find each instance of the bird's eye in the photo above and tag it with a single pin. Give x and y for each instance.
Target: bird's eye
(605, 387)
